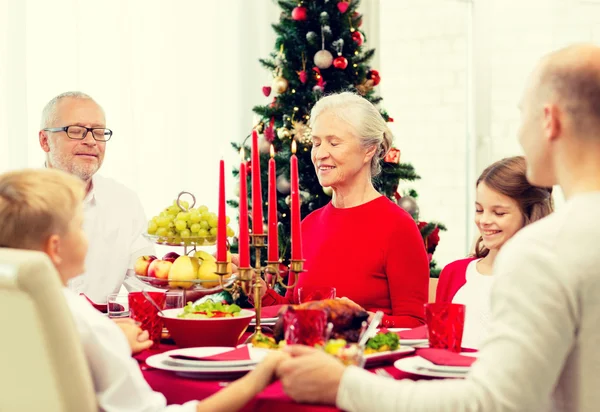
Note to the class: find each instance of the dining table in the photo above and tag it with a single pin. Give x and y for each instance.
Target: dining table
(178, 390)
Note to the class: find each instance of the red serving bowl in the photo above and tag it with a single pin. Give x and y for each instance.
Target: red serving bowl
(206, 332)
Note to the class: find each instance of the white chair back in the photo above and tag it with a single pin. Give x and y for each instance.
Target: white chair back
(42, 363)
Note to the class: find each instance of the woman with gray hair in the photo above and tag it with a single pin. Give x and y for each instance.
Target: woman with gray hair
(361, 243)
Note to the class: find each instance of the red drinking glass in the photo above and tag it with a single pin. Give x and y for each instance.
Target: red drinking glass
(305, 326)
(143, 311)
(445, 324)
(308, 294)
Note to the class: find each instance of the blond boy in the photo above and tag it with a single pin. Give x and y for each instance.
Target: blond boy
(42, 210)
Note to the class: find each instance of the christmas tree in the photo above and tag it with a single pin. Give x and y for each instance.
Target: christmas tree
(320, 49)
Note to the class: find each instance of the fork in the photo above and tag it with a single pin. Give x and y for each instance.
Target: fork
(384, 373)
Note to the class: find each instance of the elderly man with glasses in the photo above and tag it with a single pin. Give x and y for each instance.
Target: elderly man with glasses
(74, 136)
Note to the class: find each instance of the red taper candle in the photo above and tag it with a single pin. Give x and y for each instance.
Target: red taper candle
(244, 242)
(295, 206)
(273, 239)
(222, 222)
(257, 211)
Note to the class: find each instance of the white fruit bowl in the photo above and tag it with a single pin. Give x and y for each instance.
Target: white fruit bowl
(195, 285)
(179, 241)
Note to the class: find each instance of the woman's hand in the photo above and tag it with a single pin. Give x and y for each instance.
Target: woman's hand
(137, 338)
(264, 373)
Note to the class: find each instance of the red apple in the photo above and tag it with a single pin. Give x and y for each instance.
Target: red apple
(171, 256)
(141, 265)
(159, 269)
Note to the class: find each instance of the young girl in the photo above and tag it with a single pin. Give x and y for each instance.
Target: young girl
(505, 203)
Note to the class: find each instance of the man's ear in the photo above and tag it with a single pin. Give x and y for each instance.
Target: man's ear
(52, 248)
(552, 122)
(43, 137)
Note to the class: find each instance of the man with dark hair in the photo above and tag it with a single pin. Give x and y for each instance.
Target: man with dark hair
(542, 349)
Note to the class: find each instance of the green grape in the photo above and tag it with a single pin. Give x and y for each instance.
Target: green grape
(204, 225)
(155, 219)
(213, 231)
(230, 232)
(180, 225)
(161, 231)
(212, 220)
(174, 209)
(184, 204)
(162, 221)
(195, 217)
(152, 226)
(195, 228)
(164, 213)
(171, 216)
(185, 233)
(185, 216)
(227, 219)
(202, 209)
(170, 233)
(203, 233)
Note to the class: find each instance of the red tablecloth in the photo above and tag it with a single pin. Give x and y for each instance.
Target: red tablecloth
(179, 390)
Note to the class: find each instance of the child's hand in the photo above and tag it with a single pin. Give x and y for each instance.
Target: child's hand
(264, 373)
(137, 338)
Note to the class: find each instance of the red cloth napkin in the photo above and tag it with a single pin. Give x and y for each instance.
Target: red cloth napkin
(270, 311)
(241, 353)
(444, 357)
(415, 333)
(97, 306)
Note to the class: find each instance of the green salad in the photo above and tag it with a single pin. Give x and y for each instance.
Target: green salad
(382, 342)
(209, 309)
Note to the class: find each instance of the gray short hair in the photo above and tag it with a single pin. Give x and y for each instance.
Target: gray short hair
(49, 113)
(365, 119)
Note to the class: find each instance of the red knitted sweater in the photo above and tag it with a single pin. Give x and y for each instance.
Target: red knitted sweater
(372, 254)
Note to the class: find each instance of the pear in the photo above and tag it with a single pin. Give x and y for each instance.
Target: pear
(183, 270)
(208, 266)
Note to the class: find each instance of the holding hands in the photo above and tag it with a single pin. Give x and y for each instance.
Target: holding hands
(137, 338)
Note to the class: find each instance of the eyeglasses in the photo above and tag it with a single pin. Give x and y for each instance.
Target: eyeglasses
(99, 134)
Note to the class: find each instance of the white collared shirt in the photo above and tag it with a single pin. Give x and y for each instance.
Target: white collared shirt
(118, 381)
(541, 352)
(114, 221)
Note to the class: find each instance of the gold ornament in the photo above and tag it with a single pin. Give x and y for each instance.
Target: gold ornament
(283, 133)
(280, 84)
(365, 87)
(327, 190)
(300, 131)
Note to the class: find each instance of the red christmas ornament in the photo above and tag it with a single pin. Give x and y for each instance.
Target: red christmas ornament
(266, 90)
(320, 81)
(340, 62)
(390, 119)
(273, 103)
(303, 76)
(249, 166)
(374, 75)
(357, 37)
(342, 6)
(270, 131)
(356, 17)
(393, 156)
(299, 13)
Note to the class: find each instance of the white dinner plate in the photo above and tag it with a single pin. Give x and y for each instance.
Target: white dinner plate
(422, 367)
(264, 321)
(380, 357)
(162, 361)
(256, 355)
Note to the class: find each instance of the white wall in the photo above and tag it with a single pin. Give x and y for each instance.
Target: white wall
(453, 84)
(423, 55)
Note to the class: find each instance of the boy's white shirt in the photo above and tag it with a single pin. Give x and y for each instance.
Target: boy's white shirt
(118, 380)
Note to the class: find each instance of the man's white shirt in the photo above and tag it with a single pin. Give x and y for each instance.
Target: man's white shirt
(114, 222)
